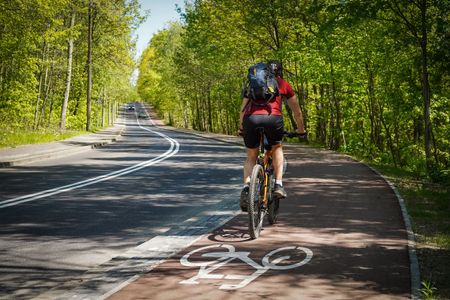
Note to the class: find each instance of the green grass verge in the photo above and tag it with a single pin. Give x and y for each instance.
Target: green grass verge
(10, 138)
(428, 205)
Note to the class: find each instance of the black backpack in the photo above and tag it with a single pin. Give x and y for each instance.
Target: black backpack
(262, 84)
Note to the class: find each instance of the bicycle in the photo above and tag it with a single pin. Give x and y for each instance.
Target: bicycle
(262, 183)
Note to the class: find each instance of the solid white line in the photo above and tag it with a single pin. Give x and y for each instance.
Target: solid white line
(174, 148)
(413, 260)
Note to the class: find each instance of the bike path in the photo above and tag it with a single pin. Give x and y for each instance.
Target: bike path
(340, 235)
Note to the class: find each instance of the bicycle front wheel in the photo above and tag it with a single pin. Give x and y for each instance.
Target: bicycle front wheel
(255, 209)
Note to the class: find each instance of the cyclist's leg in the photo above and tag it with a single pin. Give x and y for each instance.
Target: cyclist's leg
(249, 163)
(251, 140)
(277, 161)
(252, 154)
(274, 133)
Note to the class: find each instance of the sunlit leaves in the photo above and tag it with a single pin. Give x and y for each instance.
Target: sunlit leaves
(33, 59)
(356, 65)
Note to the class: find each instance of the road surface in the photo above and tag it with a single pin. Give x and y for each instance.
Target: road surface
(155, 216)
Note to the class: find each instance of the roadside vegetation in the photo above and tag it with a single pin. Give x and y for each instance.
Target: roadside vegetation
(17, 138)
(428, 205)
(64, 65)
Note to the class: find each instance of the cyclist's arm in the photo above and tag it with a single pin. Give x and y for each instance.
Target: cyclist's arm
(298, 116)
(241, 113)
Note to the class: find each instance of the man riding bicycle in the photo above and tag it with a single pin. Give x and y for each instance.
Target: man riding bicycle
(269, 117)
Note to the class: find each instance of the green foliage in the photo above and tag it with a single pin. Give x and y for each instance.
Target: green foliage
(428, 290)
(357, 67)
(34, 60)
(10, 138)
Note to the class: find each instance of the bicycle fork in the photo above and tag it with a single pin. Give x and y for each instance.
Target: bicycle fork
(266, 183)
(266, 187)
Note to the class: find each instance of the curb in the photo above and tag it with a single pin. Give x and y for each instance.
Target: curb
(29, 158)
(43, 155)
(413, 261)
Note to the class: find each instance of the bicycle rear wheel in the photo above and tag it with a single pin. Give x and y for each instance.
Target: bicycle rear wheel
(255, 209)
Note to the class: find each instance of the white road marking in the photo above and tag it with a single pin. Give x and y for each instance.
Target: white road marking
(131, 265)
(223, 257)
(174, 148)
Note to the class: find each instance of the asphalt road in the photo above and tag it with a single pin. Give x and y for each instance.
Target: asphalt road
(156, 216)
(70, 221)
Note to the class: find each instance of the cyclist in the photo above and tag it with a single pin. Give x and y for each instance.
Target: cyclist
(270, 117)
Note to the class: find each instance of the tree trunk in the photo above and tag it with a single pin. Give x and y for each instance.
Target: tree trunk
(49, 121)
(336, 129)
(210, 117)
(89, 67)
(44, 104)
(374, 115)
(110, 118)
(426, 93)
(300, 99)
(103, 112)
(41, 77)
(426, 87)
(321, 128)
(62, 123)
(197, 106)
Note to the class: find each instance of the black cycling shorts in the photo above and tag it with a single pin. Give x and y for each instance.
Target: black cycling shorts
(273, 128)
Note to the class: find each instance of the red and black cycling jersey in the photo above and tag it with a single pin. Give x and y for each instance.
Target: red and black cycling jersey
(273, 107)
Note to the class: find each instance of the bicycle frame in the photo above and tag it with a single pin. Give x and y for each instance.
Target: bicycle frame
(265, 160)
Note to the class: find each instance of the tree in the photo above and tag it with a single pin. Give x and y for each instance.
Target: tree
(43, 60)
(69, 73)
(89, 64)
(360, 69)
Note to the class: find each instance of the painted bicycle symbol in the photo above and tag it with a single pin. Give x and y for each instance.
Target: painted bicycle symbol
(274, 260)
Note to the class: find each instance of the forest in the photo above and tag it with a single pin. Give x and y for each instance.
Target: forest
(65, 64)
(372, 77)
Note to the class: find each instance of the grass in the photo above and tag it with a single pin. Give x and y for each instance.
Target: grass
(13, 138)
(428, 205)
(428, 290)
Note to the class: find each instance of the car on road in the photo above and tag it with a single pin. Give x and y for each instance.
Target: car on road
(131, 107)
(143, 115)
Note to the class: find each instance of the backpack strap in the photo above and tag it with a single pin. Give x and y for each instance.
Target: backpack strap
(246, 104)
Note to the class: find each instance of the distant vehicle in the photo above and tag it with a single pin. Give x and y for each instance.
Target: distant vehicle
(131, 107)
(143, 115)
